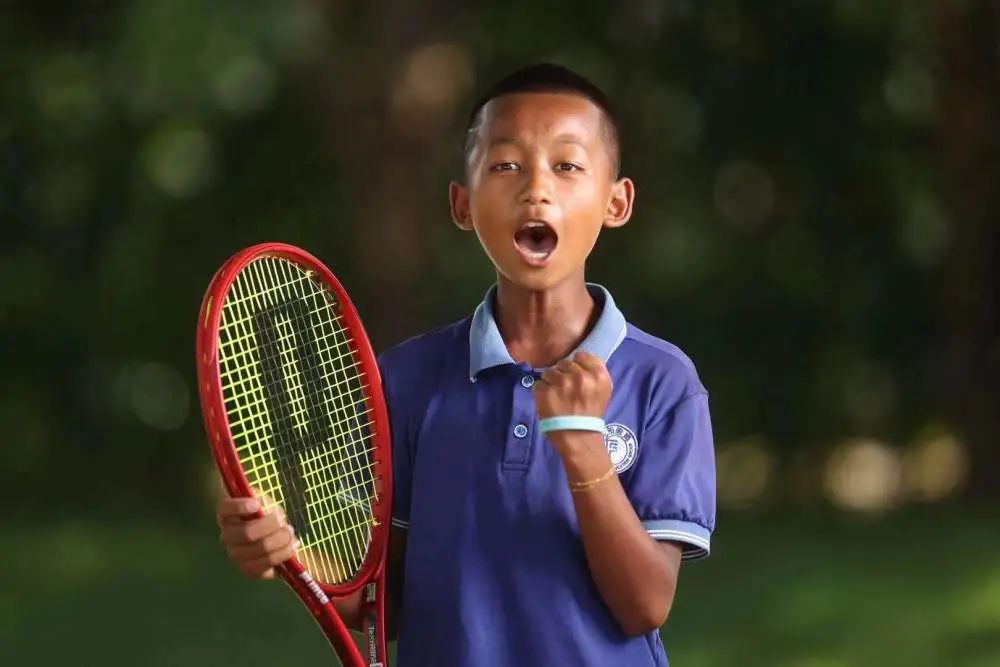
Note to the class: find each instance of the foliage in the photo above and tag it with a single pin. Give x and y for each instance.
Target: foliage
(797, 230)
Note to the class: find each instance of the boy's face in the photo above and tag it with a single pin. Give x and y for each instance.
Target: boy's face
(540, 185)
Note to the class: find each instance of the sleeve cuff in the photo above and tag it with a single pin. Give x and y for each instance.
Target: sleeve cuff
(399, 523)
(695, 540)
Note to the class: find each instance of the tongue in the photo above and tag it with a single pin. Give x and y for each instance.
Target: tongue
(536, 240)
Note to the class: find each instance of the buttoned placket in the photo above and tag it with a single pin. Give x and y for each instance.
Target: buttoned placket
(521, 432)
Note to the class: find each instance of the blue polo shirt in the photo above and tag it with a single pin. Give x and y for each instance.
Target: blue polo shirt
(496, 574)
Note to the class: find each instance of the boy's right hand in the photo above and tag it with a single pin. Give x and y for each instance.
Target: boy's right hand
(255, 545)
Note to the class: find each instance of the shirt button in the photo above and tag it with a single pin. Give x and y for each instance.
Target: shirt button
(520, 431)
(527, 381)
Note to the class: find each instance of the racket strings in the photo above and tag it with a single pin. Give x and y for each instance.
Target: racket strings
(282, 338)
(273, 466)
(317, 507)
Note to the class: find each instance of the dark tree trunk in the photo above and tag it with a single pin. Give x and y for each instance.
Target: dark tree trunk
(969, 293)
(382, 157)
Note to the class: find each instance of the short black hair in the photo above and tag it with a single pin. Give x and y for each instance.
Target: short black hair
(548, 78)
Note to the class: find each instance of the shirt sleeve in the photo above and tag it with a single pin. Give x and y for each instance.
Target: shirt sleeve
(672, 487)
(402, 467)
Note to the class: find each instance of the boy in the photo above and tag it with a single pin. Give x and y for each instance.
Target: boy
(527, 532)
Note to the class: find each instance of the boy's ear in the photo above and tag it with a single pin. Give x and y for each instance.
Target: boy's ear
(458, 199)
(620, 204)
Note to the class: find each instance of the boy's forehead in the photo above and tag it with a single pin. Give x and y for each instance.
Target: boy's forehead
(540, 114)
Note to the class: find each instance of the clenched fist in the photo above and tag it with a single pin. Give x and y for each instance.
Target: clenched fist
(577, 386)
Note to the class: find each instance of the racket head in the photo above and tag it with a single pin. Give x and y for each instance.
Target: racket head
(214, 390)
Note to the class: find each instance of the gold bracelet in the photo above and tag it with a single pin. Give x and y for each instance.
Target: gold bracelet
(577, 487)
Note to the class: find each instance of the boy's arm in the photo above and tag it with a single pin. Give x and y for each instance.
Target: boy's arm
(635, 575)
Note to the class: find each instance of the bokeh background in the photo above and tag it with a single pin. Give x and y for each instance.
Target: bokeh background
(816, 225)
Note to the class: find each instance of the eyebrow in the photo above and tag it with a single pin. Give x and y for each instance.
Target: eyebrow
(569, 138)
(565, 138)
(501, 141)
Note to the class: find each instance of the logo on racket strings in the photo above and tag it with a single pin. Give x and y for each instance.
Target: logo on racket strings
(302, 428)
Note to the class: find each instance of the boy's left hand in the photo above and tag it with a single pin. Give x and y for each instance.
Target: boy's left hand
(577, 386)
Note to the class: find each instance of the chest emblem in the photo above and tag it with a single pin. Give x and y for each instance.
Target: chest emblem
(622, 446)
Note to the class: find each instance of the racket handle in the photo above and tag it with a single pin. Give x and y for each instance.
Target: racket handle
(373, 620)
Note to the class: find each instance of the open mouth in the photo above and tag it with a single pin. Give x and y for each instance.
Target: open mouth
(536, 240)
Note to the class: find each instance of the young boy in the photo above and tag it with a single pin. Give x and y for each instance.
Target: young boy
(527, 531)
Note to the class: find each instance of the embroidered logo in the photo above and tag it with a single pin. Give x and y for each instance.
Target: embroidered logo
(622, 446)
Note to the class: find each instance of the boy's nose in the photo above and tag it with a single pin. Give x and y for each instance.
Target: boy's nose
(538, 189)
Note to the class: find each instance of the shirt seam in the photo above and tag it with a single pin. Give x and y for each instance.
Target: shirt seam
(674, 407)
(682, 357)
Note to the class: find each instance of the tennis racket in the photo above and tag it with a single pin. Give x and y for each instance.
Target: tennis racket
(292, 401)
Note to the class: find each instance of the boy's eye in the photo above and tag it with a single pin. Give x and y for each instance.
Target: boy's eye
(504, 166)
(568, 166)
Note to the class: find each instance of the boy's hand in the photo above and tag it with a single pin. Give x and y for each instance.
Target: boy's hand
(577, 386)
(581, 386)
(255, 545)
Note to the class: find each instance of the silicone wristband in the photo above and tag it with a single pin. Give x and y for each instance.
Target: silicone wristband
(571, 423)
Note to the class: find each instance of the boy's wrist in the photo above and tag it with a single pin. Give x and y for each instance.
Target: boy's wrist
(583, 453)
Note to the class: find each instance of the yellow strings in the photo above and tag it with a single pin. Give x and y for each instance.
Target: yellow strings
(336, 472)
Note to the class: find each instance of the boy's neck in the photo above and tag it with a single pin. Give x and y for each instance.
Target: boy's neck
(542, 327)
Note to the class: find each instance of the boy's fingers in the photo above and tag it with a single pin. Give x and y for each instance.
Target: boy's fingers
(277, 541)
(265, 500)
(588, 361)
(566, 366)
(228, 509)
(558, 373)
(259, 567)
(244, 532)
(594, 366)
(242, 509)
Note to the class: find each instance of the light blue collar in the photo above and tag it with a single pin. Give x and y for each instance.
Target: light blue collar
(487, 349)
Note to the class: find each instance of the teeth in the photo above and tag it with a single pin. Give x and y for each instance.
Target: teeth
(533, 224)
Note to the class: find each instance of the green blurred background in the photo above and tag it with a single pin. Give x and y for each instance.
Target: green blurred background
(816, 225)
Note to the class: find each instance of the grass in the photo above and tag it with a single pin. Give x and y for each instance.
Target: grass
(917, 588)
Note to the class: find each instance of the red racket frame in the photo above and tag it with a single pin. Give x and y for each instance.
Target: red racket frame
(314, 594)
